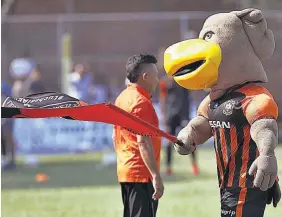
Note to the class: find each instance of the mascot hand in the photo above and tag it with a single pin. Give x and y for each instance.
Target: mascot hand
(265, 170)
(188, 147)
(274, 194)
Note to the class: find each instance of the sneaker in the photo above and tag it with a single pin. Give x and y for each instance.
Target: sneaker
(168, 171)
(195, 170)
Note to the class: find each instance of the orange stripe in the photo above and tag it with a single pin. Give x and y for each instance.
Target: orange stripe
(218, 160)
(219, 168)
(245, 157)
(241, 202)
(223, 147)
(234, 147)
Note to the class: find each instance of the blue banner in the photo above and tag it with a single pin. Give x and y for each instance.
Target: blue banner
(53, 136)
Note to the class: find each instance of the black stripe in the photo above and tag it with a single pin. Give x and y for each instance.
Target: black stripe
(68, 117)
(238, 157)
(252, 157)
(218, 177)
(257, 198)
(228, 150)
(236, 87)
(214, 145)
(219, 149)
(9, 112)
(218, 173)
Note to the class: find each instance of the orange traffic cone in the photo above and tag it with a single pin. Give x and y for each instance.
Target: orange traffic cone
(41, 177)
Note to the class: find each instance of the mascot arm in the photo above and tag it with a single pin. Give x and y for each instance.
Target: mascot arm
(262, 112)
(196, 132)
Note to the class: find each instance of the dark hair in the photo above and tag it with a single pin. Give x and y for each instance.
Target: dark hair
(134, 65)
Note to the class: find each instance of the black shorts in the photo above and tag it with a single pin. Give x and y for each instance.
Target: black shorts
(173, 123)
(137, 200)
(3, 143)
(243, 202)
(3, 146)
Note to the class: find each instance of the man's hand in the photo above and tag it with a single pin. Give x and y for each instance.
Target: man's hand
(188, 147)
(158, 186)
(274, 194)
(265, 170)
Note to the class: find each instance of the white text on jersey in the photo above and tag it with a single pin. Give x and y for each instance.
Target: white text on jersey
(219, 124)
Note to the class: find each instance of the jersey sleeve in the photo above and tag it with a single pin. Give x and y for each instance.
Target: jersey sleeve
(260, 106)
(203, 107)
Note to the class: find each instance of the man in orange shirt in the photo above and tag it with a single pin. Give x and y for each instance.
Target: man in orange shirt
(138, 157)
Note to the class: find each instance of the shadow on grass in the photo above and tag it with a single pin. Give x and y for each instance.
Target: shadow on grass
(73, 174)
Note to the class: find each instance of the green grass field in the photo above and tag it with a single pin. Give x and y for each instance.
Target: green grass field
(79, 187)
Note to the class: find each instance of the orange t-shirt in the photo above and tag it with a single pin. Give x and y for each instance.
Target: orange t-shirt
(130, 166)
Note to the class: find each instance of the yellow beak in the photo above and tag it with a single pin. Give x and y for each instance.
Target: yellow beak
(193, 63)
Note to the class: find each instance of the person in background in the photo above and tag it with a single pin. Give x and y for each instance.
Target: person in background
(114, 88)
(21, 67)
(175, 107)
(100, 93)
(138, 157)
(36, 84)
(6, 88)
(81, 82)
(28, 85)
(7, 141)
(20, 70)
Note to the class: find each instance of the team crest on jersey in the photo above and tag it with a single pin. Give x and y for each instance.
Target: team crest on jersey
(228, 107)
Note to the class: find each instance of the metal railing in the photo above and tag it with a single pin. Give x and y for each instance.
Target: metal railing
(119, 16)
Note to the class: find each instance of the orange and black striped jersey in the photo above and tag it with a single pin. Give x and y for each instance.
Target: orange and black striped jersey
(230, 118)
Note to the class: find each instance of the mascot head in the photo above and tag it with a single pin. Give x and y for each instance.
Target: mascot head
(228, 52)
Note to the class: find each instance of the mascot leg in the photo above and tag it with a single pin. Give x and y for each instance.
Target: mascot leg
(248, 202)
(243, 202)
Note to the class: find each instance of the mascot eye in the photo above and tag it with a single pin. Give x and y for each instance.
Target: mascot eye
(208, 35)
